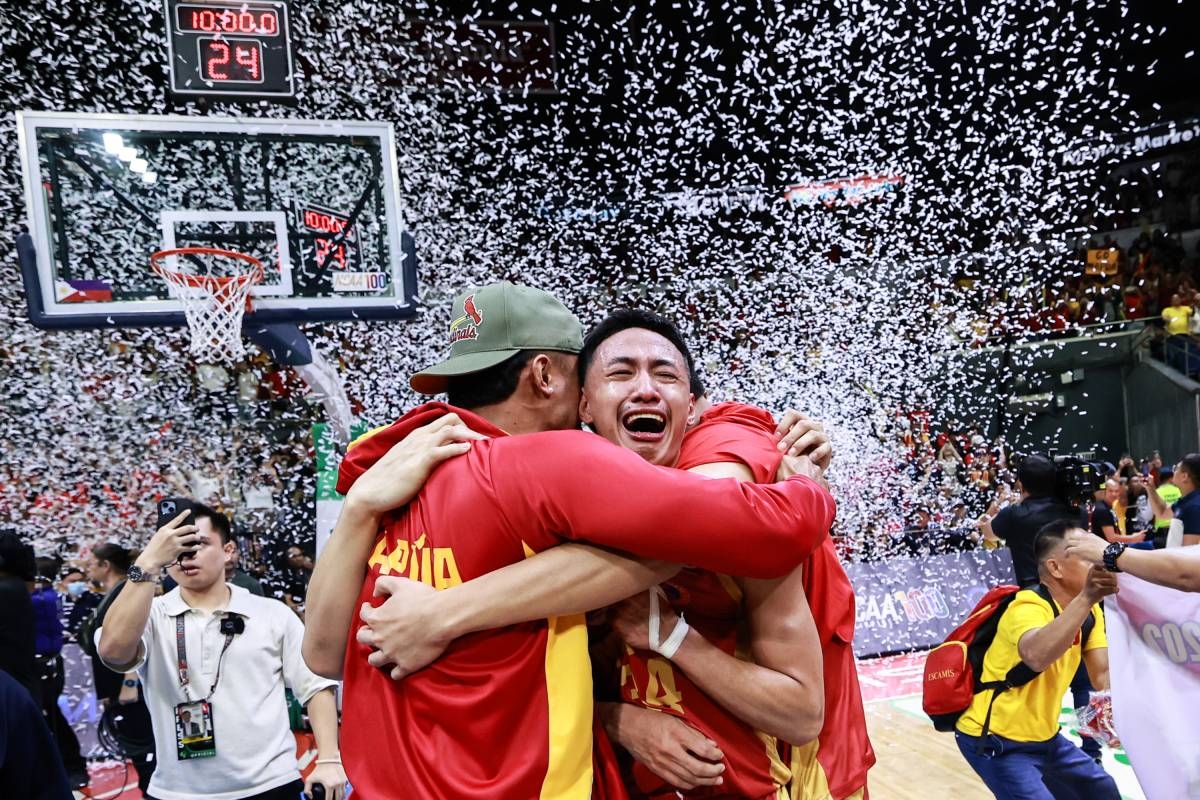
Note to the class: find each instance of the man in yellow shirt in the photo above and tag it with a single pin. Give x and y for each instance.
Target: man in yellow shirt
(1177, 316)
(1024, 757)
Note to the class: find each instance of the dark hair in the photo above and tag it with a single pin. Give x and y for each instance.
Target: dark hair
(48, 567)
(1036, 474)
(627, 318)
(114, 554)
(16, 557)
(490, 386)
(219, 521)
(1191, 463)
(1050, 536)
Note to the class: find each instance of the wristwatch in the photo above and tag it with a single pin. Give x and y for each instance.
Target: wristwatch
(1111, 554)
(138, 575)
(129, 683)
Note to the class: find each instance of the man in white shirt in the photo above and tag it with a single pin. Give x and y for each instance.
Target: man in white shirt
(214, 660)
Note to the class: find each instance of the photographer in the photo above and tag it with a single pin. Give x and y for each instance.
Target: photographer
(214, 660)
(1018, 524)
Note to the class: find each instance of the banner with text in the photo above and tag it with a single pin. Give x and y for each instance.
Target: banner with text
(912, 603)
(1154, 665)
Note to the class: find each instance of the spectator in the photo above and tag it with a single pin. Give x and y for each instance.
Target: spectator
(242, 745)
(17, 571)
(48, 644)
(1187, 508)
(298, 566)
(1169, 493)
(29, 765)
(1025, 755)
(1177, 316)
(1110, 516)
(119, 693)
(239, 577)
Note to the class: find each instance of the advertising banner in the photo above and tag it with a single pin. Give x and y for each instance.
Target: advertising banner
(329, 502)
(912, 603)
(1154, 666)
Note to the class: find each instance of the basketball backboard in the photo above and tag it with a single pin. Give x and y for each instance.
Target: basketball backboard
(315, 201)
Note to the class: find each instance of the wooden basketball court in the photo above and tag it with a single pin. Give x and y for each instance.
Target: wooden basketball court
(916, 762)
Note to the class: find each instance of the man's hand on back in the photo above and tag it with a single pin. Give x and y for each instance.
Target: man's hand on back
(800, 465)
(404, 630)
(667, 746)
(395, 479)
(800, 435)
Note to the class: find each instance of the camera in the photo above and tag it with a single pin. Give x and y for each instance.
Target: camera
(1076, 480)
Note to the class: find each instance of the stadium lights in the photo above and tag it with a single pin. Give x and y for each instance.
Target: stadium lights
(149, 177)
(139, 165)
(127, 153)
(113, 143)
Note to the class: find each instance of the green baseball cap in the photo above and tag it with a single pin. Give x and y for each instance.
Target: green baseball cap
(495, 322)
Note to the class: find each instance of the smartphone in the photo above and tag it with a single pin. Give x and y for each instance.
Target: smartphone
(168, 509)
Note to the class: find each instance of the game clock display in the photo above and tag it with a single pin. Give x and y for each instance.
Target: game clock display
(224, 48)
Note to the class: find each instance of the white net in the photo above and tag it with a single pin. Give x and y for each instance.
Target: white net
(213, 305)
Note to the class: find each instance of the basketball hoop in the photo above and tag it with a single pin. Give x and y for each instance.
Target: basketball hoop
(213, 305)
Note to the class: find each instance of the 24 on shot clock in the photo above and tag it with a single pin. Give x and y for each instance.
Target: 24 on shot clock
(230, 48)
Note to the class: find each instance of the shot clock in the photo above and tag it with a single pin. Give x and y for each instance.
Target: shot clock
(226, 48)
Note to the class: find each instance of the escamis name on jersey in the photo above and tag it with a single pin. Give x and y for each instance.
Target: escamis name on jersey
(433, 566)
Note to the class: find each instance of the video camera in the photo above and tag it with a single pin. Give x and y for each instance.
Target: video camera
(1076, 480)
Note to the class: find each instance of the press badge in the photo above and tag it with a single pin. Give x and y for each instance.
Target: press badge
(194, 733)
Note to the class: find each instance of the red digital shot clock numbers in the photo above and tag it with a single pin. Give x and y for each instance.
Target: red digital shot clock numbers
(226, 48)
(228, 59)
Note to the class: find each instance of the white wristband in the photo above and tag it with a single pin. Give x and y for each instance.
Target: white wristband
(671, 646)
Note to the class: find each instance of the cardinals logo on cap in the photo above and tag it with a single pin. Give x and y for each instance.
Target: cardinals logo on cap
(464, 327)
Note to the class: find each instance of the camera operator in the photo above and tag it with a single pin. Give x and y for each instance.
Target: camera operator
(1018, 524)
(214, 660)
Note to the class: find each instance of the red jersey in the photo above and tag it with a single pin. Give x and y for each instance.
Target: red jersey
(836, 763)
(507, 713)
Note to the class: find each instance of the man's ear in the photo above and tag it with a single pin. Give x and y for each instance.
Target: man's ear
(541, 375)
(691, 415)
(229, 548)
(585, 409)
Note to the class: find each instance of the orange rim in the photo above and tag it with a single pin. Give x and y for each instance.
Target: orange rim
(210, 282)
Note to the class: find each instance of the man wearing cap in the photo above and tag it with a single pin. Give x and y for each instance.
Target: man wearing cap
(507, 713)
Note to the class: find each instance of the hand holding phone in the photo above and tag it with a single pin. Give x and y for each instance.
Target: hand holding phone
(176, 536)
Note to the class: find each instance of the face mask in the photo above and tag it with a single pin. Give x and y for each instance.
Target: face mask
(76, 588)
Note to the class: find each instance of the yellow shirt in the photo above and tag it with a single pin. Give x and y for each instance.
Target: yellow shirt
(1170, 494)
(1176, 318)
(1027, 713)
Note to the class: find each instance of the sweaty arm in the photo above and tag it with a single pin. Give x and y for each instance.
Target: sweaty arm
(620, 501)
(389, 483)
(780, 691)
(333, 588)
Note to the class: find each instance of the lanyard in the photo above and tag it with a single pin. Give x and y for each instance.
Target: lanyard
(181, 651)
